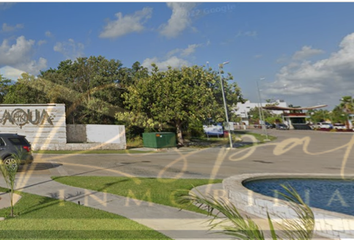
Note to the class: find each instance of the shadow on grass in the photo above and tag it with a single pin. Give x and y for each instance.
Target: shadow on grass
(107, 185)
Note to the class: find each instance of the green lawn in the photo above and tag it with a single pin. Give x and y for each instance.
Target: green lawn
(204, 142)
(46, 218)
(162, 191)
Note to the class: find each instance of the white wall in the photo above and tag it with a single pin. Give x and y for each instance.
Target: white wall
(105, 133)
(95, 136)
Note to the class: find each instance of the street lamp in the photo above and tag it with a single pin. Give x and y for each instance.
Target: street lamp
(221, 65)
(350, 123)
(261, 115)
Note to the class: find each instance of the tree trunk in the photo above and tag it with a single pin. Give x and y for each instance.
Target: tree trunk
(12, 202)
(179, 133)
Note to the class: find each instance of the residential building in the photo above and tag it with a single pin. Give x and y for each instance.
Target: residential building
(242, 109)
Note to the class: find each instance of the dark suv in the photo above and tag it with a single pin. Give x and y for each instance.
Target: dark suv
(269, 125)
(13, 146)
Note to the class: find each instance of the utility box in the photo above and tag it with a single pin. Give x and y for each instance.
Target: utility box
(159, 140)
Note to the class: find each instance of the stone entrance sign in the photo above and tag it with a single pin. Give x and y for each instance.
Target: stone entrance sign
(44, 127)
(42, 124)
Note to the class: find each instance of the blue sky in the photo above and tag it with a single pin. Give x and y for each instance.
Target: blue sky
(304, 51)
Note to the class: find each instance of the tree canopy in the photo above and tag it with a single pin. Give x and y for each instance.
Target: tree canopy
(175, 97)
(4, 87)
(91, 88)
(96, 90)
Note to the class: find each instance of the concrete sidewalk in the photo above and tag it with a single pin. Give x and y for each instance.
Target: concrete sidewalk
(5, 200)
(174, 223)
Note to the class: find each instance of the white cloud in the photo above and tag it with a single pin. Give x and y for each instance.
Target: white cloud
(240, 34)
(8, 28)
(174, 58)
(12, 54)
(318, 81)
(33, 66)
(306, 52)
(190, 49)
(70, 49)
(48, 34)
(173, 62)
(179, 20)
(184, 52)
(18, 55)
(174, 52)
(11, 73)
(126, 24)
(5, 5)
(41, 42)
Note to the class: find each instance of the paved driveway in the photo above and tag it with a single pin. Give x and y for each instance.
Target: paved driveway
(294, 151)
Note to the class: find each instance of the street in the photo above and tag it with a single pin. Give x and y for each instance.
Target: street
(292, 152)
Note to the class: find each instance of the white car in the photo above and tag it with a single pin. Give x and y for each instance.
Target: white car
(323, 125)
(213, 130)
(339, 126)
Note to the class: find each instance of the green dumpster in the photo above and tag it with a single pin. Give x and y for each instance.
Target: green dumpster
(159, 140)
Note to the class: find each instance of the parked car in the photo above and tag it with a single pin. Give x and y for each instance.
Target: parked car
(269, 125)
(323, 125)
(339, 126)
(281, 126)
(257, 125)
(13, 146)
(213, 130)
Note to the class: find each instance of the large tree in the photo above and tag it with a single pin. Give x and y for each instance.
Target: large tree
(338, 116)
(319, 115)
(90, 88)
(347, 106)
(4, 87)
(176, 97)
(256, 118)
(27, 90)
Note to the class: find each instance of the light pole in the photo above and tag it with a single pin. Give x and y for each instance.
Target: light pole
(261, 115)
(350, 115)
(221, 65)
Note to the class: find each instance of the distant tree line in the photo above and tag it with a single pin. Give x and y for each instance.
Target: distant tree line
(96, 90)
(341, 113)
